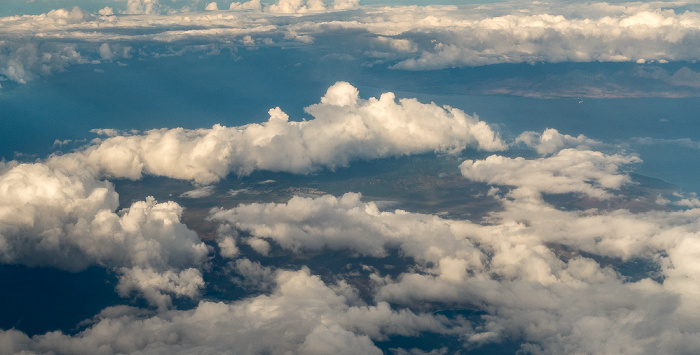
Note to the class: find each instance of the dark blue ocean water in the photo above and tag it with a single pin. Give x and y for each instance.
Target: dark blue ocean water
(36, 300)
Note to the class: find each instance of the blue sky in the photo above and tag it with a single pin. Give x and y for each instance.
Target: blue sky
(316, 177)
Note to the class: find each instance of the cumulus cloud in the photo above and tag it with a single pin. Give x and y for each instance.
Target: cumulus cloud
(248, 5)
(551, 141)
(25, 61)
(65, 16)
(399, 45)
(106, 11)
(347, 223)
(296, 6)
(302, 315)
(7, 165)
(345, 4)
(106, 52)
(158, 286)
(570, 170)
(254, 275)
(345, 128)
(51, 218)
(142, 6)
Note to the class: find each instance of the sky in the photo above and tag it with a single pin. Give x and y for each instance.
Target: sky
(380, 177)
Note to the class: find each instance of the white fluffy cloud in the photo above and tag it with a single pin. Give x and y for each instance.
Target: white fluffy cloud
(248, 5)
(296, 6)
(344, 128)
(347, 223)
(142, 6)
(25, 61)
(303, 315)
(51, 218)
(570, 170)
(551, 141)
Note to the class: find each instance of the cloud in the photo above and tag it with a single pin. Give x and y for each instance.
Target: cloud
(106, 11)
(25, 61)
(570, 170)
(551, 141)
(345, 4)
(106, 52)
(347, 223)
(601, 317)
(296, 6)
(344, 128)
(158, 286)
(51, 218)
(7, 165)
(199, 192)
(510, 243)
(399, 45)
(65, 16)
(249, 5)
(254, 275)
(142, 6)
(212, 6)
(302, 315)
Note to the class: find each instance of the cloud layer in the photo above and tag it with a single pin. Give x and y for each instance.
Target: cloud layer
(410, 37)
